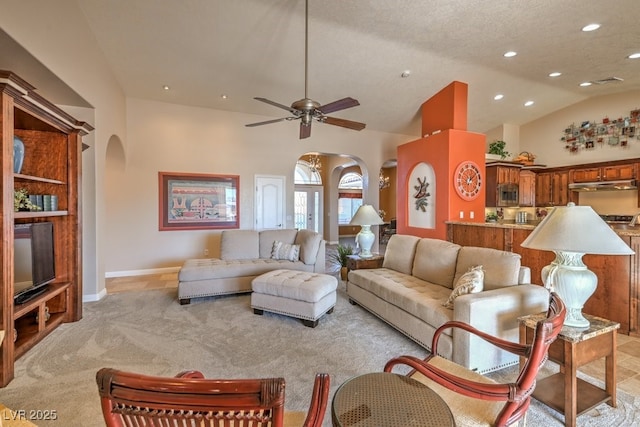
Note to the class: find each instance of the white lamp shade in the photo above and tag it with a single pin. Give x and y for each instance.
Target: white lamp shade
(366, 215)
(572, 231)
(576, 229)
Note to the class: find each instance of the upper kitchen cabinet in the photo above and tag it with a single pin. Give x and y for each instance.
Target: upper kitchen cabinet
(502, 184)
(552, 188)
(527, 188)
(605, 173)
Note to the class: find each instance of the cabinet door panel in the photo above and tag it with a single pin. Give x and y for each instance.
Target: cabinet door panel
(586, 175)
(612, 173)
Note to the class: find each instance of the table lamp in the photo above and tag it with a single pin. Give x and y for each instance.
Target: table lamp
(570, 232)
(366, 216)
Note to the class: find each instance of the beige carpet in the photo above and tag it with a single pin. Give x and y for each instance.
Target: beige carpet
(149, 332)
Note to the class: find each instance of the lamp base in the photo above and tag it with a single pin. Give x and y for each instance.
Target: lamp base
(573, 282)
(365, 239)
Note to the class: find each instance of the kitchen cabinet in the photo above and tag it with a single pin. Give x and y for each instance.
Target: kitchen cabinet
(604, 173)
(502, 176)
(552, 188)
(527, 188)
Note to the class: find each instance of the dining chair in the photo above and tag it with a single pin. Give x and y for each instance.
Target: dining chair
(188, 399)
(474, 399)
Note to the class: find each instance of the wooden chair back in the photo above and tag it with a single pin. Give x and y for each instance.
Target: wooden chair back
(130, 399)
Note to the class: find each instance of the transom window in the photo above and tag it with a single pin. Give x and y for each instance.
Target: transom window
(305, 174)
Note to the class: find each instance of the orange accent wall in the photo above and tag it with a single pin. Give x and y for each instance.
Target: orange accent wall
(447, 109)
(444, 151)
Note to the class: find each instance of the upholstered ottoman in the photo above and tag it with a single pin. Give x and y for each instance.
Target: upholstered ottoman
(299, 294)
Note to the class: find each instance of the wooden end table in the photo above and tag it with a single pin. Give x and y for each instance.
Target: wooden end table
(573, 348)
(355, 262)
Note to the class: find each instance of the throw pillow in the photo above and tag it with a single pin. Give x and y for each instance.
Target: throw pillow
(470, 282)
(285, 251)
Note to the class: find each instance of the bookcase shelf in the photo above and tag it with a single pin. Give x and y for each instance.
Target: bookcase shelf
(52, 166)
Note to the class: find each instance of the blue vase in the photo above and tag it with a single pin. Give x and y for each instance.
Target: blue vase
(18, 154)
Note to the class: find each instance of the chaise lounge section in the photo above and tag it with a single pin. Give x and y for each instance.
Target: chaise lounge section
(247, 254)
(418, 276)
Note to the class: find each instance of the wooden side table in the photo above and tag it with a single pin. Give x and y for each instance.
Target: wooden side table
(355, 262)
(573, 348)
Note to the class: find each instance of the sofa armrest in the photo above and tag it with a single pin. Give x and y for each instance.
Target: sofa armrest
(524, 275)
(494, 312)
(320, 265)
(487, 309)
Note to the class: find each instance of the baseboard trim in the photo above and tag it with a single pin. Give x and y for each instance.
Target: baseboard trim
(94, 297)
(146, 272)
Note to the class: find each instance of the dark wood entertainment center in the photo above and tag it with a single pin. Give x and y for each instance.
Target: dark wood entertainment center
(53, 166)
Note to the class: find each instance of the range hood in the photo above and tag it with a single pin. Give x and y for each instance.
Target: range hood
(629, 184)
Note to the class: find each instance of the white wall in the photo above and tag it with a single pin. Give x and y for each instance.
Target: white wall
(174, 138)
(542, 136)
(56, 33)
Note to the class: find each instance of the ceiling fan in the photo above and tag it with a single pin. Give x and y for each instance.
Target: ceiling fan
(307, 109)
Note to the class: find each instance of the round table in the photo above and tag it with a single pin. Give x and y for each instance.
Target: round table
(387, 399)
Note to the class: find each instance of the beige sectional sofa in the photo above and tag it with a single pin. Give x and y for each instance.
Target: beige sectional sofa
(244, 255)
(418, 276)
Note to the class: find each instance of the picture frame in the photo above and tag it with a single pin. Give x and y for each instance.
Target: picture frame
(189, 201)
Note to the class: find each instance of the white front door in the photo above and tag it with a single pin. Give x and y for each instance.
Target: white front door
(270, 202)
(308, 207)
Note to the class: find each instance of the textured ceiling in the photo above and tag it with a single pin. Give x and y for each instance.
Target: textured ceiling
(205, 48)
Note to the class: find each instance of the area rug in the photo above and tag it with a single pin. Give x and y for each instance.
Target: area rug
(149, 332)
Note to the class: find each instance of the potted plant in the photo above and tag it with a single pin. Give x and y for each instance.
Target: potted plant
(491, 217)
(340, 256)
(497, 148)
(21, 201)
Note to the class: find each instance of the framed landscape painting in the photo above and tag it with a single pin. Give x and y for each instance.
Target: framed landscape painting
(198, 201)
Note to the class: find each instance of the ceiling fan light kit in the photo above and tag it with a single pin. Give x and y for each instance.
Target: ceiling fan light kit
(306, 109)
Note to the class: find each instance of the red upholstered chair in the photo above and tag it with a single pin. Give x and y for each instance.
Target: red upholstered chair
(474, 399)
(130, 399)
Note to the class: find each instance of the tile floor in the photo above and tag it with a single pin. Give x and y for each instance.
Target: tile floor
(628, 366)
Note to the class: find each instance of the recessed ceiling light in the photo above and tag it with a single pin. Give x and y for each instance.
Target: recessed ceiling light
(591, 27)
(634, 55)
(528, 103)
(223, 96)
(165, 87)
(510, 54)
(405, 74)
(585, 84)
(498, 97)
(555, 74)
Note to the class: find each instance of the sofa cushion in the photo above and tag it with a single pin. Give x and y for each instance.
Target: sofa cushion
(239, 244)
(415, 296)
(309, 242)
(400, 252)
(501, 268)
(267, 237)
(469, 283)
(435, 261)
(285, 251)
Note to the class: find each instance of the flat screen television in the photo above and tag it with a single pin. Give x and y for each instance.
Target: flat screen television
(33, 260)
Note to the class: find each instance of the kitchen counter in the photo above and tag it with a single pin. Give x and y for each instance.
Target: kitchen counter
(620, 229)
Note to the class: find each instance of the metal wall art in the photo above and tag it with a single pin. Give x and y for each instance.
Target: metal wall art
(591, 134)
(421, 194)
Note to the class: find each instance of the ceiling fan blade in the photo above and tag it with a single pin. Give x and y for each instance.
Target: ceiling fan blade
(268, 122)
(305, 130)
(275, 104)
(338, 105)
(344, 123)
